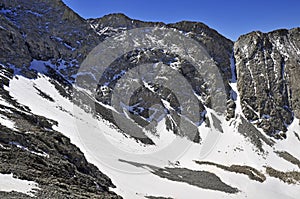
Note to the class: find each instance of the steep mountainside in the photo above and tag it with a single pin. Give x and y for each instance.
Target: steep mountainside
(268, 78)
(115, 107)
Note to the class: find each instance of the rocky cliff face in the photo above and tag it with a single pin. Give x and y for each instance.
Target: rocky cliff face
(268, 73)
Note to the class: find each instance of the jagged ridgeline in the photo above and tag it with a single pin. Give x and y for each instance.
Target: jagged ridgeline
(266, 63)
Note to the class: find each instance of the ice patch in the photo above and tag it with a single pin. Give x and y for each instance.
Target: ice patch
(5, 11)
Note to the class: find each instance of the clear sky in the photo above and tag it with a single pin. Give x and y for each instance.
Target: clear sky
(230, 18)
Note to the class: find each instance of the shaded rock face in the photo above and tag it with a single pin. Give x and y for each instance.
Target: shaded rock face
(147, 103)
(43, 30)
(268, 74)
(218, 47)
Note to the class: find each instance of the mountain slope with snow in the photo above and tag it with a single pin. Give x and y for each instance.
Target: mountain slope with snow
(137, 170)
(115, 107)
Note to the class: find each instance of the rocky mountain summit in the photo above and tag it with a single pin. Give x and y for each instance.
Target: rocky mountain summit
(57, 117)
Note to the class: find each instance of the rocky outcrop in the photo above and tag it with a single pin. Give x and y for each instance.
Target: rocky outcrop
(268, 73)
(44, 30)
(219, 48)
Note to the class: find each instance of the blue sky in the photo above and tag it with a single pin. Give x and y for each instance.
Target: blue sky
(230, 18)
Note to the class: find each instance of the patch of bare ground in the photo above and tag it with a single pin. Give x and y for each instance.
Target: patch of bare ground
(251, 172)
(290, 177)
(288, 157)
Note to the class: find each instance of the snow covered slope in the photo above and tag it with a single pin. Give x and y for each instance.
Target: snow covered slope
(140, 170)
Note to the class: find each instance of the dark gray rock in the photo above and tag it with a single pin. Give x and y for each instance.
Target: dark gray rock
(268, 73)
(202, 179)
(249, 131)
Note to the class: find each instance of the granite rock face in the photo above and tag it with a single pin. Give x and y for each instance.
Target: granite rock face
(268, 74)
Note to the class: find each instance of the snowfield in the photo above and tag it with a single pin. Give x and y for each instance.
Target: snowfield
(105, 147)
